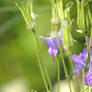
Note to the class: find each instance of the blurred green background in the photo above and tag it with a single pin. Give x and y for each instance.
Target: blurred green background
(17, 57)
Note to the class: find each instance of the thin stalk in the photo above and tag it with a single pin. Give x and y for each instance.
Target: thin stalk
(88, 49)
(45, 70)
(65, 69)
(49, 81)
(39, 60)
(70, 59)
(73, 85)
(63, 61)
(87, 89)
(82, 86)
(91, 37)
(72, 65)
(58, 64)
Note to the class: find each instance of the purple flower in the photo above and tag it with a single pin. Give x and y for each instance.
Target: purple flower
(52, 43)
(80, 61)
(88, 76)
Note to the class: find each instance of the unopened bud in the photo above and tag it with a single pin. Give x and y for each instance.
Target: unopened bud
(64, 23)
(33, 16)
(79, 31)
(55, 21)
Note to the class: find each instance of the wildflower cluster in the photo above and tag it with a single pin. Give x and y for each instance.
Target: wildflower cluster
(60, 42)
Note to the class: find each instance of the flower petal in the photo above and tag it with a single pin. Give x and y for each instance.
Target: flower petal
(77, 58)
(48, 41)
(53, 52)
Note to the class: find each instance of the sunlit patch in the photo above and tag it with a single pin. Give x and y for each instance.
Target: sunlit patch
(79, 31)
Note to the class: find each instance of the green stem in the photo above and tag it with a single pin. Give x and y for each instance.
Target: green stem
(65, 69)
(88, 89)
(88, 48)
(49, 81)
(73, 85)
(76, 79)
(39, 60)
(63, 61)
(91, 90)
(58, 61)
(82, 86)
(70, 59)
(58, 64)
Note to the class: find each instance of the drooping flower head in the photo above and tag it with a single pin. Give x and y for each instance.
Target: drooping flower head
(52, 43)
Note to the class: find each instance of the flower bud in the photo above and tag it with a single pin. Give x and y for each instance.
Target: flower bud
(33, 16)
(79, 31)
(55, 21)
(31, 26)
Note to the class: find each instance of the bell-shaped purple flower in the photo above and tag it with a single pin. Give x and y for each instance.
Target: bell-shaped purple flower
(88, 76)
(52, 43)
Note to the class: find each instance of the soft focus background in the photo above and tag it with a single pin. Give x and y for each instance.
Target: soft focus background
(18, 65)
